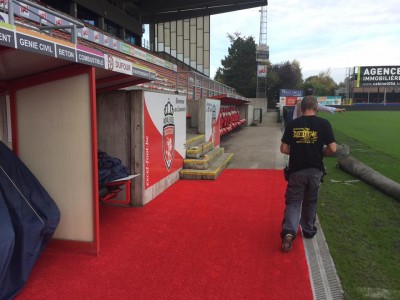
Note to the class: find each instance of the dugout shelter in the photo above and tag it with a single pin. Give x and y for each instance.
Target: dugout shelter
(66, 67)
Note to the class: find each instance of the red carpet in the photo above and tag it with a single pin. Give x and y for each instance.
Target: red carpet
(197, 240)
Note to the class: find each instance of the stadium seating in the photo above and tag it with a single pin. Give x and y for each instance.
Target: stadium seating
(230, 119)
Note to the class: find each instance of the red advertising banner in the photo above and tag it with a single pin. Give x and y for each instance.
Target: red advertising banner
(212, 121)
(164, 135)
(291, 101)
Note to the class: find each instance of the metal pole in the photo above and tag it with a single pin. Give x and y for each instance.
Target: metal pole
(257, 95)
(176, 82)
(347, 76)
(11, 12)
(74, 34)
(265, 87)
(384, 97)
(195, 87)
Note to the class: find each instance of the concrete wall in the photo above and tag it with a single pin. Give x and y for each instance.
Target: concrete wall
(246, 112)
(193, 110)
(113, 125)
(5, 122)
(260, 103)
(136, 99)
(201, 126)
(253, 109)
(119, 131)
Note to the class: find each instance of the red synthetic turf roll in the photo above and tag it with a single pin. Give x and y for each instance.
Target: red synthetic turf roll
(197, 240)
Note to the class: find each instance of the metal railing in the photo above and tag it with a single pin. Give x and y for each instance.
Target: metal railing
(74, 23)
(197, 86)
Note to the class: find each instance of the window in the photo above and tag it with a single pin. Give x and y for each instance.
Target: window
(112, 28)
(130, 37)
(59, 5)
(87, 16)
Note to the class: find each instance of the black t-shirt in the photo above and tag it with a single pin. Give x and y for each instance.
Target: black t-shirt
(306, 137)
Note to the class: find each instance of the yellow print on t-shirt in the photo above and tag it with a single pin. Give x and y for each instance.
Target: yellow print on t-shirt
(305, 135)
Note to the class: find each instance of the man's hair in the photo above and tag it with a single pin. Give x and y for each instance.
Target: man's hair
(309, 102)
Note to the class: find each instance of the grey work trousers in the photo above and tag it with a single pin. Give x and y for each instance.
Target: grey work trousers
(301, 202)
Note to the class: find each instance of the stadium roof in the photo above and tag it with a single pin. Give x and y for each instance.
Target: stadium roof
(157, 11)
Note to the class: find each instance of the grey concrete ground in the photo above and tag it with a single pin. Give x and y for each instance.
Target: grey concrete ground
(256, 147)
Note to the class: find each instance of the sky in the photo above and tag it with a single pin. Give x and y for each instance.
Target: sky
(328, 35)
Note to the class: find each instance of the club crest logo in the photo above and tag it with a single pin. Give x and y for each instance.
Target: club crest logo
(168, 135)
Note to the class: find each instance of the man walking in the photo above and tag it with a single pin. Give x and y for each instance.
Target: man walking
(303, 140)
(310, 92)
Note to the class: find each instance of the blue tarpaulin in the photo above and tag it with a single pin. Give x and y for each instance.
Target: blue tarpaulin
(28, 220)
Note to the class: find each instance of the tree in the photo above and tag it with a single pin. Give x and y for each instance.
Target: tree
(289, 74)
(239, 71)
(285, 75)
(323, 84)
(239, 68)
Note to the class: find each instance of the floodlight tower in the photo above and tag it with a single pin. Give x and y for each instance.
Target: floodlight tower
(262, 56)
(263, 26)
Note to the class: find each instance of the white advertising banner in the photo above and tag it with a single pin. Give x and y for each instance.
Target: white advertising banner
(164, 135)
(3, 17)
(262, 71)
(212, 121)
(118, 65)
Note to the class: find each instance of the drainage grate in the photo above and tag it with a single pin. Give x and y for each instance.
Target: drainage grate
(324, 280)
